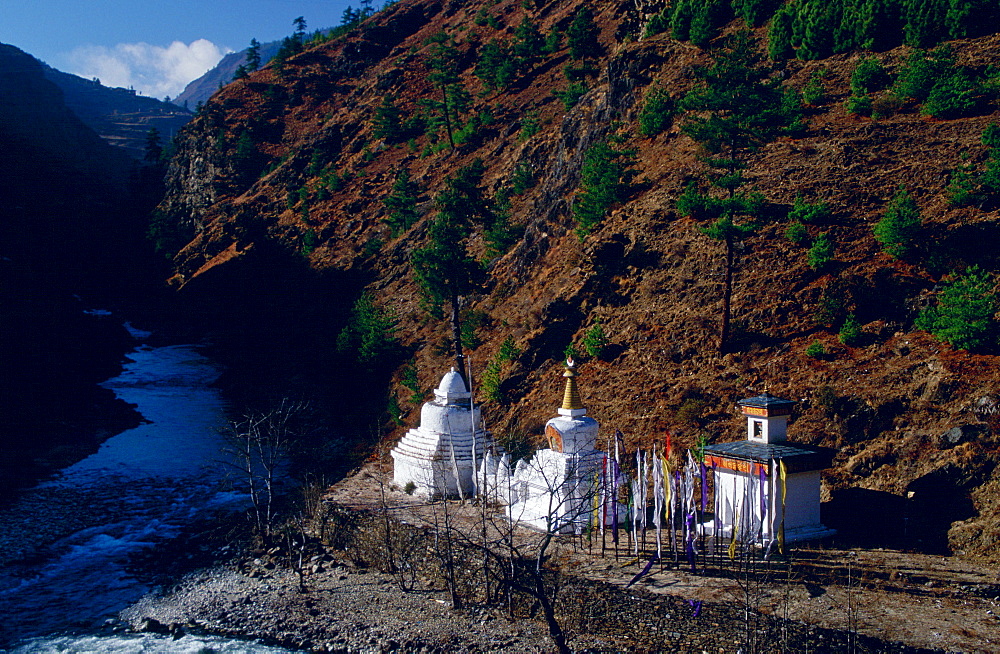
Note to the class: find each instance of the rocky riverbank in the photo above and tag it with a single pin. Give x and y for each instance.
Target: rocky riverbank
(890, 602)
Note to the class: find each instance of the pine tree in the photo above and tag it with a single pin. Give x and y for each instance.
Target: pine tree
(528, 44)
(604, 181)
(387, 123)
(496, 67)
(779, 35)
(401, 203)
(582, 35)
(253, 55)
(445, 271)
(900, 226)
(370, 335)
(964, 316)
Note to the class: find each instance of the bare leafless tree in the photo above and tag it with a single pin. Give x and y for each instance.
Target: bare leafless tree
(257, 445)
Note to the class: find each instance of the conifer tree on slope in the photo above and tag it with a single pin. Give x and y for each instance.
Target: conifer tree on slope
(736, 109)
(444, 269)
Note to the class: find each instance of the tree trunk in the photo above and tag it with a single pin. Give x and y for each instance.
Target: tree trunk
(548, 611)
(727, 296)
(456, 336)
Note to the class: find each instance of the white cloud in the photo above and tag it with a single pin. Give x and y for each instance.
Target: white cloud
(150, 69)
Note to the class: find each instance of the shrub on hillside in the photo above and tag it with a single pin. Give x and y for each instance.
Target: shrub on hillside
(899, 228)
(869, 76)
(821, 252)
(964, 316)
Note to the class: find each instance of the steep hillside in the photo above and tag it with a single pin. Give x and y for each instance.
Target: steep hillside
(70, 240)
(300, 160)
(119, 116)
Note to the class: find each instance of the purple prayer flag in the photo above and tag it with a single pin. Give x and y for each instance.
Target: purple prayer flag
(648, 567)
(704, 488)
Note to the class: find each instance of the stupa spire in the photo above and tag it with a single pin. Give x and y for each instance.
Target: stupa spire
(572, 405)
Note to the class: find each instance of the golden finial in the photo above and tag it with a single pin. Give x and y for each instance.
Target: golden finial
(571, 396)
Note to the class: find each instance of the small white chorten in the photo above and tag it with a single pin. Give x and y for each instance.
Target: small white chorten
(440, 455)
(554, 491)
(767, 490)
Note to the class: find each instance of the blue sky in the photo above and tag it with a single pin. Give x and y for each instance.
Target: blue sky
(156, 47)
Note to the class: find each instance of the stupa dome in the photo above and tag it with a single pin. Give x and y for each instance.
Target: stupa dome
(451, 388)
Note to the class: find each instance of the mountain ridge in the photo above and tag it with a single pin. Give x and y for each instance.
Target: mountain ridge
(647, 274)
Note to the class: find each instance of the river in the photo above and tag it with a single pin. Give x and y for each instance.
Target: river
(66, 544)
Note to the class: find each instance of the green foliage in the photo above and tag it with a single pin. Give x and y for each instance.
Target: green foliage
(401, 203)
(594, 340)
(779, 35)
(529, 126)
(388, 121)
(899, 228)
(690, 411)
(753, 12)
(581, 36)
(962, 190)
(369, 338)
(964, 316)
(850, 331)
(571, 94)
(167, 235)
(472, 322)
(524, 178)
(859, 105)
(922, 71)
(830, 307)
(698, 21)
(490, 381)
(253, 55)
(508, 351)
(486, 19)
(444, 269)
(411, 382)
(738, 105)
(816, 350)
(813, 93)
(605, 180)
(528, 44)
(869, 76)
(496, 67)
(954, 95)
(553, 40)
(658, 24)
(797, 233)
(821, 252)
(991, 136)
(657, 112)
(309, 240)
(724, 229)
(809, 212)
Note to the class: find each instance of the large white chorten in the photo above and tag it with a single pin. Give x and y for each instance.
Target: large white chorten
(554, 491)
(440, 455)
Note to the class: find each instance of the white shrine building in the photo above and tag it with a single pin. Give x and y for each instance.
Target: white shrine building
(440, 456)
(554, 490)
(767, 490)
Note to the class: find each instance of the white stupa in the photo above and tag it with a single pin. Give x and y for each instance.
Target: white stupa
(554, 490)
(440, 455)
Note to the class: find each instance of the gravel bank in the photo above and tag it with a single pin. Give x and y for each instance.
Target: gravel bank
(341, 610)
